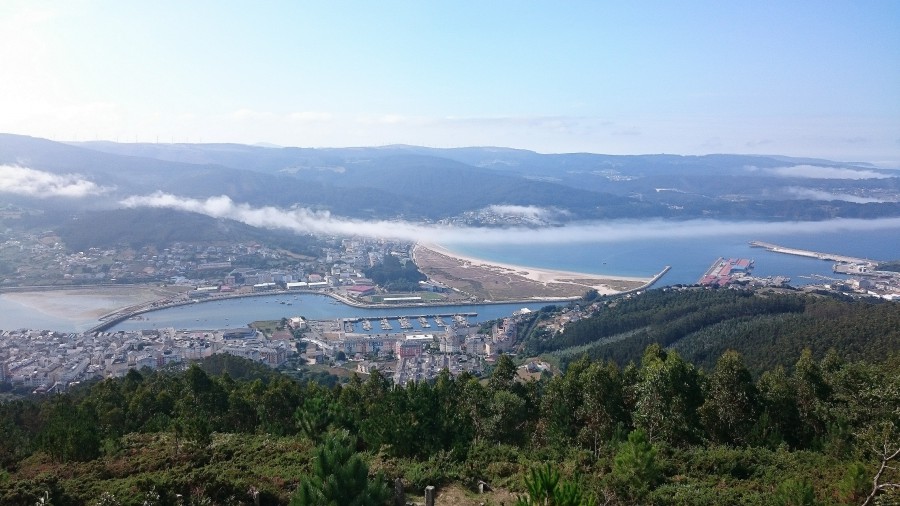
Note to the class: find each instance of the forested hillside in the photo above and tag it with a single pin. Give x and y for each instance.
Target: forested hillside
(658, 432)
(422, 183)
(768, 328)
(160, 228)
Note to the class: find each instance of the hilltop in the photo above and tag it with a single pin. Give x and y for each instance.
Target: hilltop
(664, 429)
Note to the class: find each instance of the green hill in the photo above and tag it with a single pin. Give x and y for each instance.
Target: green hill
(768, 328)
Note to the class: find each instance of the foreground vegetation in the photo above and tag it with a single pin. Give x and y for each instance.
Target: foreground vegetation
(659, 430)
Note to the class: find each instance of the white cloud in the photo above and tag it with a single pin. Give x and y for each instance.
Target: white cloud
(818, 172)
(513, 210)
(811, 194)
(303, 220)
(37, 183)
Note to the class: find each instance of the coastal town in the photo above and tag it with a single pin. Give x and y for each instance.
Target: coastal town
(50, 361)
(414, 347)
(41, 259)
(411, 343)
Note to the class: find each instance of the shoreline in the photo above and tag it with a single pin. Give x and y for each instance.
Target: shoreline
(537, 275)
(118, 316)
(107, 316)
(83, 304)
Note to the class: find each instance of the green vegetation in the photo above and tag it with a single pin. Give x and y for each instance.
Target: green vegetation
(137, 228)
(768, 328)
(660, 430)
(339, 477)
(396, 276)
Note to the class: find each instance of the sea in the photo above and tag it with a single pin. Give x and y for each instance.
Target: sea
(688, 258)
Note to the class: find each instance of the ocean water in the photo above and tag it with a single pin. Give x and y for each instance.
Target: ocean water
(689, 258)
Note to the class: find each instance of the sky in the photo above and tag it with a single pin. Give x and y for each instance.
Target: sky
(814, 79)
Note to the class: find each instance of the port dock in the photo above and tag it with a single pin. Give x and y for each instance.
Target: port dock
(828, 257)
(723, 272)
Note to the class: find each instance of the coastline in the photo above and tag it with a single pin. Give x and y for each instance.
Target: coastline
(102, 307)
(465, 274)
(538, 274)
(82, 303)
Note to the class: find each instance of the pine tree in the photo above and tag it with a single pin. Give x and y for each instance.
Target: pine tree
(339, 477)
(634, 470)
(545, 488)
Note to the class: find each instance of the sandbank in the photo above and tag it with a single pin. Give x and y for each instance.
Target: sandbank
(80, 304)
(603, 283)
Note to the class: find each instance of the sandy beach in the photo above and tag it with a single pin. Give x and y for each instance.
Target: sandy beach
(85, 304)
(502, 281)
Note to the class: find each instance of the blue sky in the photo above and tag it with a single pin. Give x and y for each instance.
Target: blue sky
(818, 79)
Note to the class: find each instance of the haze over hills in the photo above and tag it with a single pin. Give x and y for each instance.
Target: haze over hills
(471, 186)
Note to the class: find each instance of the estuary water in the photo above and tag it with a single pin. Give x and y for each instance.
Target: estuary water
(689, 259)
(233, 313)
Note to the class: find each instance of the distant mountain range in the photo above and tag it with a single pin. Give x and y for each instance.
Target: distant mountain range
(417, 183)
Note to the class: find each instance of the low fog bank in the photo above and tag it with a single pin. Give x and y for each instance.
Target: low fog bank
(303, 220)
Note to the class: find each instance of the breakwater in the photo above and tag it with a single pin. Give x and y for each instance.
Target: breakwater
(830, 257)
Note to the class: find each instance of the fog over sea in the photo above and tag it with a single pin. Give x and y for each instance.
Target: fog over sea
(689, 258)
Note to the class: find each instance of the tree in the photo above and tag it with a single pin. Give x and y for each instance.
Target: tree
(339, 477)
(779, 421)
(634, 470)
(506, 419)
(546, 489)
(812, 392)
(854, 486)
(475, 405)
(731, 408)
(885, 441)
(70, 433)
(668, 397)
(792, 492)
(313, 418)
(503, 375)
(277, 405)
(602, 408)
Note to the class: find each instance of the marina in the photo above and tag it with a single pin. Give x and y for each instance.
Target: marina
(406, 323)
(405, 320)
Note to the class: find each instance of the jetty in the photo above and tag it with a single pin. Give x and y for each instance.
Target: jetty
(829, 257)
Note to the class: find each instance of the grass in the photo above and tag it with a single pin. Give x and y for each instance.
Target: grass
(267, 327)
